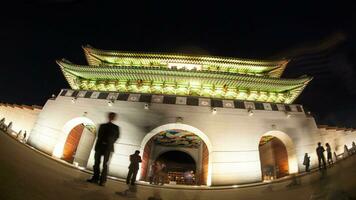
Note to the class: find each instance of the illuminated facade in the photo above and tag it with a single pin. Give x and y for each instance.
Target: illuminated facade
(171, 74)
(232, 119)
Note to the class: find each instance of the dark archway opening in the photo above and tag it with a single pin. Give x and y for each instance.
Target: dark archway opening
(273, 157)
(181, 167)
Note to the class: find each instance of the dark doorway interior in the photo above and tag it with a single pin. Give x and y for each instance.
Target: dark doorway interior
(181, 167)
(273, 157)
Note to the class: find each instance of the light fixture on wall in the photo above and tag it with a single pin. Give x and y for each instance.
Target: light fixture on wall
(111, 102)
(74, 99)
(146, 106)
(308, 114)
(214, 110)
(250, 111)
(179, 119)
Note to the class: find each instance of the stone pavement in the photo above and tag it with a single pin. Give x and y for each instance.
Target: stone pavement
(27, 174)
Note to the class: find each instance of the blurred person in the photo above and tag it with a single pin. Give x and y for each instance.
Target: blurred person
(135, 160)
(320, 153)
(329, 154)
(108, 133)
(306, 162)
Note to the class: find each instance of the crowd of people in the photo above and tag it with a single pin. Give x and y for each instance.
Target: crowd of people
(329, 155)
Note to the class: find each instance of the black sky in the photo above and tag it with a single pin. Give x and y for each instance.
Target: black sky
(36, 33)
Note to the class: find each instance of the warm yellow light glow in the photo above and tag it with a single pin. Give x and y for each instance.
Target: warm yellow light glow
(184, 66)
(288, 143)
(58, 149)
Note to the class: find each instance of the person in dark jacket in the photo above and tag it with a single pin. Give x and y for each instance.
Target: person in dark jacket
(329, 157)
(135, 160)
(320, 153)
(108, 133)
(306, 162)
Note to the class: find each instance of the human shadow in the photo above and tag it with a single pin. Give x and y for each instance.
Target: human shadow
(156, 196)
(129, 193)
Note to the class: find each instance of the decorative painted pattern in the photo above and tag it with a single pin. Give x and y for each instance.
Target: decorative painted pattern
(181, 100)
(177, 138)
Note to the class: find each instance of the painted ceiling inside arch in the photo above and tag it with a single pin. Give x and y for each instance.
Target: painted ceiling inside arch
(265, 139)
(177, 137)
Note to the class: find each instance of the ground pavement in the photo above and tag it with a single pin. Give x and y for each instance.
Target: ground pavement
(28, 174)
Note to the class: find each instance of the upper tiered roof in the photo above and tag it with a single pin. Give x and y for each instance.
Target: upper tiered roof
(97, 57)
(174, 74)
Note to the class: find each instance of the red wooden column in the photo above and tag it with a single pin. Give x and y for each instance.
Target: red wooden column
(145, 161)
(205, 165)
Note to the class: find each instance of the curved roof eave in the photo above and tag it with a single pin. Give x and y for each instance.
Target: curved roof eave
(97, 57)
(106, 73)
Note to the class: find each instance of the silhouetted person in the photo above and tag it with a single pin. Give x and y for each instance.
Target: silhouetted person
(320, 153)
(135, 160)
(329, 157)
(306, 162)
(24, 137)
(346, 152)
(108, 133)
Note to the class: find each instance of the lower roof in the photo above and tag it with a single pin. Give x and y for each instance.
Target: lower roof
(76, 75)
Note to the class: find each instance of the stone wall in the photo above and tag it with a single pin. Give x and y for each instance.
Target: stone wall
(22, 117)
(232, 135)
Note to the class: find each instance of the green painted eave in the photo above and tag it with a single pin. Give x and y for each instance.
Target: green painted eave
(97, 57)
(75, 74)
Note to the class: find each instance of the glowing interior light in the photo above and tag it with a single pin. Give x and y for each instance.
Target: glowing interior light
(214, 110)
(250, 112)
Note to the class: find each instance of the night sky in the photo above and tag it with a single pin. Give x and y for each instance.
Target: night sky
(36, 33)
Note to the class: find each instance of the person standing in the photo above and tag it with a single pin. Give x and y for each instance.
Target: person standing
(108, 133)
(152, 171)
(306, 162)
(24, 139)
(163, 173)
(329, 157)
(135, 160)
(157, 173)
(320, 153)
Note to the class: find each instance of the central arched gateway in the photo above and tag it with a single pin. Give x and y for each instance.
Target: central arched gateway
(178, 140)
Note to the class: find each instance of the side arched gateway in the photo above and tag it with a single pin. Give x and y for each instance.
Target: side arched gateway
(76, 141)
(180, 140)
(277, 155)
